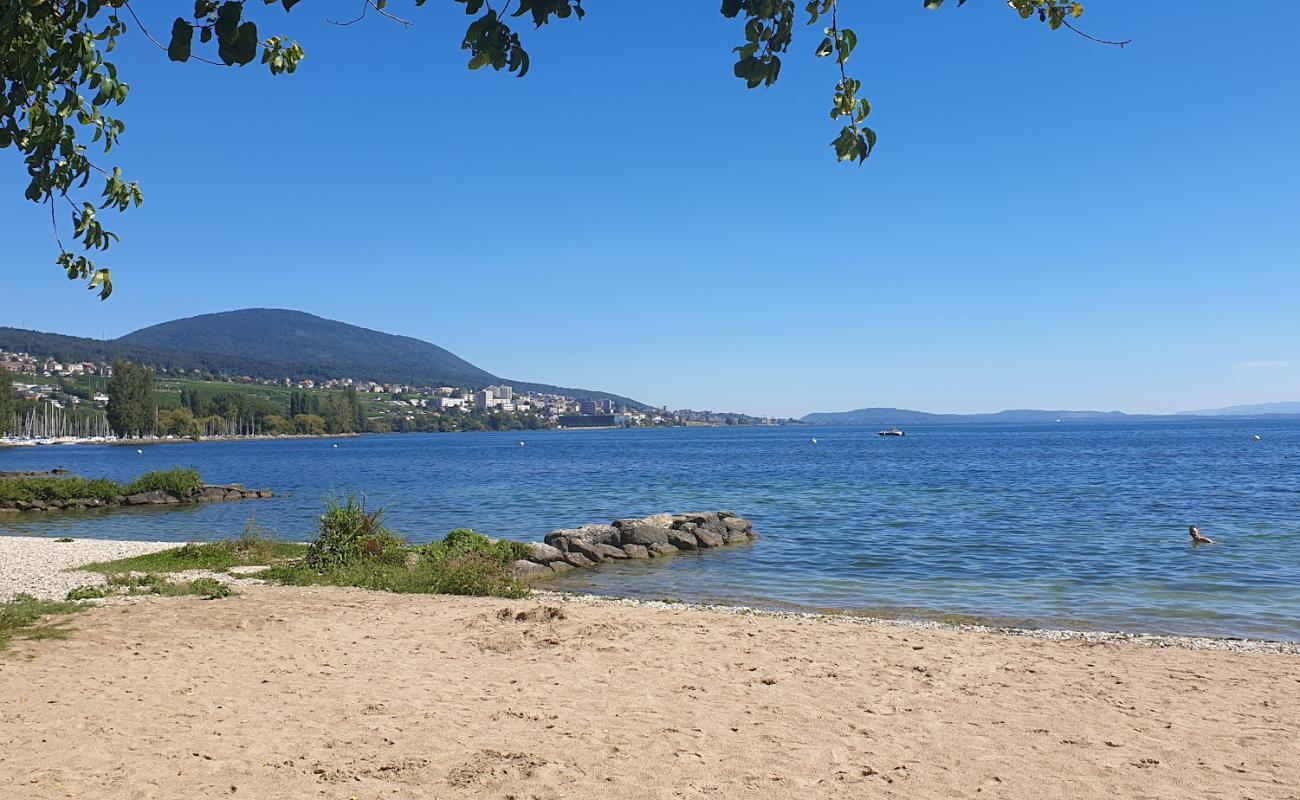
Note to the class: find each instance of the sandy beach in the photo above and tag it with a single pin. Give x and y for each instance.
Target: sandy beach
(342, 693)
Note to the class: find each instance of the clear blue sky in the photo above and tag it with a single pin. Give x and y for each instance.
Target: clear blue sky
(1046, 222)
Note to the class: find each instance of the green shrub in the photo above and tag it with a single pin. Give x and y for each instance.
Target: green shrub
(464, 540)
(87, 593)
(349, 533)
(207, 588)
(177, 482)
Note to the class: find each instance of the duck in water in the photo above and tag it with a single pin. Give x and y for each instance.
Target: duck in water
(1197, 538)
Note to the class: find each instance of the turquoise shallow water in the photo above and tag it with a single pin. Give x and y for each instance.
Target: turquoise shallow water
(1079, 525)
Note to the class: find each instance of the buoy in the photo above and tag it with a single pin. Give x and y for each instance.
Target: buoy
(814, 441)
(139, 451)
(521, 444)
(1257, 437)
(334, 445)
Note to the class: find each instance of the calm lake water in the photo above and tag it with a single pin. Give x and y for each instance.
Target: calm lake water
(1077, 525)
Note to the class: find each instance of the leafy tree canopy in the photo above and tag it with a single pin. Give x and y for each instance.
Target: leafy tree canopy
(59, 94)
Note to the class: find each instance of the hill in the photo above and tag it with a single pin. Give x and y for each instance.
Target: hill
(903, 416)
(279, 343)
(1259, 409)
(293, 339)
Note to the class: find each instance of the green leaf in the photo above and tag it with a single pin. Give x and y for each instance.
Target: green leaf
(182, 40)
(228, 16)
(244, 47)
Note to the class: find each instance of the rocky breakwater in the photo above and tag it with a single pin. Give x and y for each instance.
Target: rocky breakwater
(644, 537)
(205, 493)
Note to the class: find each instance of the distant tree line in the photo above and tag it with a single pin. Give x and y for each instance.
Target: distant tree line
(135, 410)
(8, 402)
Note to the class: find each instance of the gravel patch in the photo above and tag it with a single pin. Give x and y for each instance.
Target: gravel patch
(40, 566)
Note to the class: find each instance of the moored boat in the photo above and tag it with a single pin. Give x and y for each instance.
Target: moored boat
(891, 432)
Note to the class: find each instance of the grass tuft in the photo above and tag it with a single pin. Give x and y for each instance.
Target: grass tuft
(178, 482)
(86, 593)
(21, 618)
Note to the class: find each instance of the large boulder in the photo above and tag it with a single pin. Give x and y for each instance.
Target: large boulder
(610, 551)
(683, 540)
(529, 569)
(707, 537)
(736, 524)
(576, 559)
(695, 517)
(591, 534)
(659, 549)
(156, 497)
(737, 530)
(559, 566)
(212, 493)
(636, 551)
(644, 535)
(587, 549)
(543, 553)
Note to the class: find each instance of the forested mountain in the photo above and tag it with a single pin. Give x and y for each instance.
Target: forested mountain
(278, 343)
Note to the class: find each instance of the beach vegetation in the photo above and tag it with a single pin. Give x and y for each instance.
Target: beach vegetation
(127, 583)
(25, 617)
(178, 482)
(86, 593)
(349, 533)
(254, 547)
(354, 548)
(50, 489)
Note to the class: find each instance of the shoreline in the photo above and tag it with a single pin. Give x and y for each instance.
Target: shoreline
(27, 566)
(1223, 644)
(142, 442)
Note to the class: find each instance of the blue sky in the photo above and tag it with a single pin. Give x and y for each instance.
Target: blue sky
(1045, 223)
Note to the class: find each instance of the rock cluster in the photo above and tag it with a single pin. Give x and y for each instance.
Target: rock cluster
(206, 493)
(644, 537)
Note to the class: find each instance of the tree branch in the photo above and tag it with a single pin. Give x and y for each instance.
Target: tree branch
(1091, 38)
(159, 44)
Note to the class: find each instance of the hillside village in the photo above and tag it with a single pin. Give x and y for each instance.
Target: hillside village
(235, 407)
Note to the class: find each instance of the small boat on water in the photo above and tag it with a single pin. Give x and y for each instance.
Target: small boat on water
(891, 432)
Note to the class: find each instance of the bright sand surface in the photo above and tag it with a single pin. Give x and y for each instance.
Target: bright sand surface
(341, 693)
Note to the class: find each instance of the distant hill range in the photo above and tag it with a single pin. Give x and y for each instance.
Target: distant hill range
(269, 343)
(1257, 410)
(902, 416)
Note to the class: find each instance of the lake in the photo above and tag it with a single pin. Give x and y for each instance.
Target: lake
(1064, 525)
